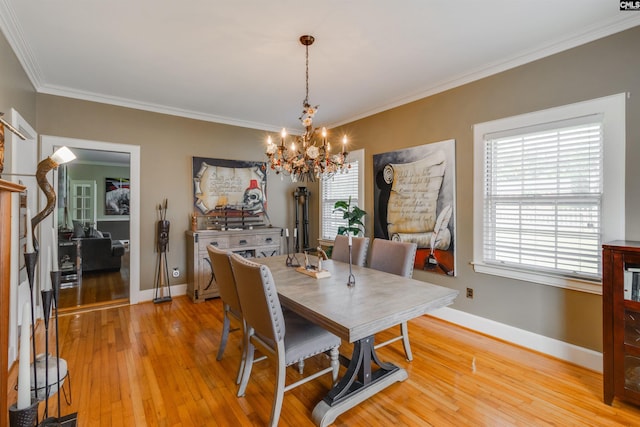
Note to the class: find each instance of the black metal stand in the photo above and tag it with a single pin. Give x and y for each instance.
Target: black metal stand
(162, 280)
(29, 416)
(301, 196)
(162, 271)
(49, 300)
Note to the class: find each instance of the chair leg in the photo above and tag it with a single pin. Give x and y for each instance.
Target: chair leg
(301, 367)
(335, 363)
(243, 361)
(248, 364)
(225, 332)
(278, 397)
(404, 330)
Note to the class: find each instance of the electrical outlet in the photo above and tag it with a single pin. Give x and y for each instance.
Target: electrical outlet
(176, 272)
(470, 293)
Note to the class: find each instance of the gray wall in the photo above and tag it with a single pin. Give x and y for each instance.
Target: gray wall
(601, 68)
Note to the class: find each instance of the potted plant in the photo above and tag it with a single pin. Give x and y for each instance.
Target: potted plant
(353, 214)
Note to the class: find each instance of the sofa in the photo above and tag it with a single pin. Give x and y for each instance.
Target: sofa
(101, 253)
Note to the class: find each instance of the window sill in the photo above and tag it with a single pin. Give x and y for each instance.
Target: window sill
(326, 242)
(580, 285)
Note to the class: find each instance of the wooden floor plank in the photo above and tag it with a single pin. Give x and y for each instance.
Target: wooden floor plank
(155, 365)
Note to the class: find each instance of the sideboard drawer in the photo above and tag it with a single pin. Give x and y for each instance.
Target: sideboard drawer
(268, 239)
(220, 242)
(241, 241)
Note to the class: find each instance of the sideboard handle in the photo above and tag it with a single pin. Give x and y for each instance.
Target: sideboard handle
(268, 240)
(214, 244)
(243, 242)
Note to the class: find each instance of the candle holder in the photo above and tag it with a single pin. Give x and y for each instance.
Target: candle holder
(47, 296)
(351, 281)
(56, 277)
(291, 260)
(26, 417)
(30, 261)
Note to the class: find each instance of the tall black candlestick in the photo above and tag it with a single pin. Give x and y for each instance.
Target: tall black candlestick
(56, 276)
(47, 296)
(30, 261)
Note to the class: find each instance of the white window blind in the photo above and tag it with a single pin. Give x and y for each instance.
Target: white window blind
(543, 189)
(339, 187)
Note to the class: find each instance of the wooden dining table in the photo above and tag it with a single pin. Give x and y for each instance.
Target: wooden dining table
(376, 301)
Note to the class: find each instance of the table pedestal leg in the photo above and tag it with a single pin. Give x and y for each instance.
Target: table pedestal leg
(358, 384)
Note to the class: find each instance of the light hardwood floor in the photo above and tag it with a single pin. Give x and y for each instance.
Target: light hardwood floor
(154, 365)
(97, 289)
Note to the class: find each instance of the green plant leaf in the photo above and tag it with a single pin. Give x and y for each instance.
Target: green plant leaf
(341, 205)
(353, 215)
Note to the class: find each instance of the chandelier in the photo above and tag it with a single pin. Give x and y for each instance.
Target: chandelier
(308, 155)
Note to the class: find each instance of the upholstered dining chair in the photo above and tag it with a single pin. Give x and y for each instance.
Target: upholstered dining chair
(359, 246)
(395, 258)
(221, 265)
(285, 339)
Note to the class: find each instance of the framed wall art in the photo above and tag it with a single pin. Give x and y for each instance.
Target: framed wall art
(229, 193)
(414, 199)
(116, 194)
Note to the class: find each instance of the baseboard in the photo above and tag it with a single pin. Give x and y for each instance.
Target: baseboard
(149, 294)
(580, 356)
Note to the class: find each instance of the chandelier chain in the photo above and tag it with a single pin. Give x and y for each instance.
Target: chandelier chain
(306, 98)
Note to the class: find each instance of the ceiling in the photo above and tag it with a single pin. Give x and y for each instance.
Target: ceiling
(241, 62)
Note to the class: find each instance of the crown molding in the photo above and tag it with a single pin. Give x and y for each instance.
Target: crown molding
(156, 108)
(13, 33)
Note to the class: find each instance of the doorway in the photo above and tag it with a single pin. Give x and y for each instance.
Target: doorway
(98, 251)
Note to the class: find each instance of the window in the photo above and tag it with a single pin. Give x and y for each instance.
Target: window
(549, 190)
(340, 187)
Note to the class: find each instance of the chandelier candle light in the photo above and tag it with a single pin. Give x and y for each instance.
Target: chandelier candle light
(308, 156)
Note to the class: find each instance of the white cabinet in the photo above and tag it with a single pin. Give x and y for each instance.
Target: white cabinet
(257, 243)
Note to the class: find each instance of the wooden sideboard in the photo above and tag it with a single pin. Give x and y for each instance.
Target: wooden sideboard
(256, 243)
(6, 188)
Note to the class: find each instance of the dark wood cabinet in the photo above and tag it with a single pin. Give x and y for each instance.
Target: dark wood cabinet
(621, 321)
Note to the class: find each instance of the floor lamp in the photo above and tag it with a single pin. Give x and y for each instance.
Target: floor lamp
(49, 294)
